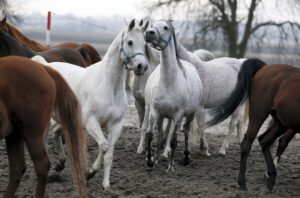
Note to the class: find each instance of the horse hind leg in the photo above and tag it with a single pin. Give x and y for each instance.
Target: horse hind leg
(232, 124)
(283, 143)
(38, 153)
(200, 117)
(265, 141)
(17, 167)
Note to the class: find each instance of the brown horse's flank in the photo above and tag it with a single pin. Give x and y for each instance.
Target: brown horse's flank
(28, 95)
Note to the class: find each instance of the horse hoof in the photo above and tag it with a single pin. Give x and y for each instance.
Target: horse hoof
(106, 187)
(270, 182)
(59, 167)
(90, 174)
(151, 162)
(139, 150)
(222, 152)
(243, 188)
(186, 162)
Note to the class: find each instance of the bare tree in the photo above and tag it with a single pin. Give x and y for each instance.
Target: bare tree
(233, 22)
(8, 8)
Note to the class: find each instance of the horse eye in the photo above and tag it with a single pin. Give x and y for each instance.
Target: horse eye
(130, 43)
(166, 27)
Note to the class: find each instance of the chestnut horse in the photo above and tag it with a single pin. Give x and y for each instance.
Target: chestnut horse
(272, 90)
(9, 46)
(30, 93)
(91, 57)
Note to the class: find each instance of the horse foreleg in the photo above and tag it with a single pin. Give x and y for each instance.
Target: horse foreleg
(265, 141)
(143, 131)
(186, 128)
(94, 129)
(177, 123)
(114, 131)
(17, 167)
(38, 153)
(140, 107)
(200, 117)
(149, 137)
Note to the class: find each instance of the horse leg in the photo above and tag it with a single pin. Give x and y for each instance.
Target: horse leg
(200, 117)
(143, 131)
(166, 131)
(160, 139)
(38, 153)
(186, 128)
(17, 167)
(140, 107)
(283, 143)
(60, 165)
(265, 141)
(114, 130)
(253, 128)
(94, 129)
(177, 124)
(232, 124)
(167, 150)
(149, 137)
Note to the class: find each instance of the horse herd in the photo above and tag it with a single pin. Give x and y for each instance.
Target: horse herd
(69, 87)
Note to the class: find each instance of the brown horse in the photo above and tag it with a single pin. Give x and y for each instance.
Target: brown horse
(29, 93)
(9, 46)
(91, 55)
(272, 90)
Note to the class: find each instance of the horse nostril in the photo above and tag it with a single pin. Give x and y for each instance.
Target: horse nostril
(151, 32)
(139, 67)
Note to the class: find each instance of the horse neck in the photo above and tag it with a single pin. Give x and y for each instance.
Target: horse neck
(112, 67)
(25, 40)
(169, 63)
(188, 56)
(10, 46)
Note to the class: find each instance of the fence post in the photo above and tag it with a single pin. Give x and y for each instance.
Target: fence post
(48, 28)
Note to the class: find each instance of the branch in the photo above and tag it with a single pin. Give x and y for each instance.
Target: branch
(272, 23)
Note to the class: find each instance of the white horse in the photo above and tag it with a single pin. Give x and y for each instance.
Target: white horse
(172, 91)
(219, 78)
(204, 55)
(138, 83)
(100, 88)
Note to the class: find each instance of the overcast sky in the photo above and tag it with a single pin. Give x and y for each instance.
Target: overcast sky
(86, 7)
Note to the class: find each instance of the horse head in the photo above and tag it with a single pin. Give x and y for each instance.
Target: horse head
(160, 34)
(132, 49)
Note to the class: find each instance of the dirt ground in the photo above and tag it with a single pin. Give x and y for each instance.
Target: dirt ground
(213, 176)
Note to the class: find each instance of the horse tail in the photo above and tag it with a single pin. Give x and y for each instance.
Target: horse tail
(84, 53)
(241, 92)
(68, 112)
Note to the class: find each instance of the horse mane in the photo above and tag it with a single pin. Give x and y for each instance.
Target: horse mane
(12, 47)
(169, 22)
(151, 55)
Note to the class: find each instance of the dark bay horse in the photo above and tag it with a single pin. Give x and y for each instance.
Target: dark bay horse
(29, 93)
(91, 56)
(9, 46)
(272, 90)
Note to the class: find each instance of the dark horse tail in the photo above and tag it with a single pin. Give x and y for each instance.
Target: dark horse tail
(68, 111)
(241, 92)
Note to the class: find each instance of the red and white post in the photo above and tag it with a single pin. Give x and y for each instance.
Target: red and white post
(48, 28)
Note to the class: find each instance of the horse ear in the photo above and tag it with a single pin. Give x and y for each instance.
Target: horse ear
(141, 22)
(131, 25)
(144, 28)
(3, 21)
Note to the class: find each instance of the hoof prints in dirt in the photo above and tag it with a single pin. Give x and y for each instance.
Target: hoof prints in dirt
(213, 176)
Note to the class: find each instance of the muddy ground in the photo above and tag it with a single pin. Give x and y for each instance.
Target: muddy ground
(213, 176)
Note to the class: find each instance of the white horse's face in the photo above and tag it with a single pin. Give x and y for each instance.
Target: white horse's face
(159, 34)
(132, 49)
